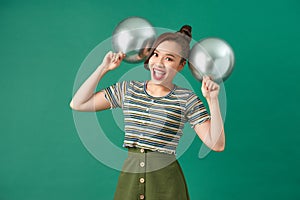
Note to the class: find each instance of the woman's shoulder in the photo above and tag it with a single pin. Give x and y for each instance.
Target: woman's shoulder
(132, 84)
(184, 91)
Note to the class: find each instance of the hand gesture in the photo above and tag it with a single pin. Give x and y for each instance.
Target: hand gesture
(209, 88)
(112, 60)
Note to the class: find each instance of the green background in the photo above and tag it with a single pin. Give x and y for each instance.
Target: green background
(43, 44)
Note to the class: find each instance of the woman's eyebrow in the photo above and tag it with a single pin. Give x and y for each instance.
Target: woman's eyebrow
(168, 54)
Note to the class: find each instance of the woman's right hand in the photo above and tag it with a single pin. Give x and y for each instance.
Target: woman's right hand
(112, 60)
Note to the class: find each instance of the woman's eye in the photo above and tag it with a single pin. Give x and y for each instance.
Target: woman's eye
(169, 59)
(155, 54)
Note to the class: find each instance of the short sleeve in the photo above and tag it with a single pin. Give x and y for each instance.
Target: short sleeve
(115, 94)
(196, 112)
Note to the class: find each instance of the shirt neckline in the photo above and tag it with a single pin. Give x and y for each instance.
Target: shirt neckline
(149, 95)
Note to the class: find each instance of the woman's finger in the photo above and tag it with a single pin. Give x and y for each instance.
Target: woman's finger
(215, 86)
(211, 85)
(120, 56)
(204, 84)
(114, 59)
(207, 78)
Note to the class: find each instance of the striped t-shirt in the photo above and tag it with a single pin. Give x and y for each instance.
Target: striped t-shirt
(155, 123)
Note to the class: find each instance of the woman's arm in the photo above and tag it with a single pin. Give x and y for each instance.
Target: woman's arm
(85, 99)
(211, 132)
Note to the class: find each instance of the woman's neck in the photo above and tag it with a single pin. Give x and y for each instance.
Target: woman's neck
(158, 90)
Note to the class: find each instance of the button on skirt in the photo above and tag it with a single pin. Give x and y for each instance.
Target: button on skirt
(151, 176)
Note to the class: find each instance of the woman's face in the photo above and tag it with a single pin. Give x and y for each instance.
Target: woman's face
(165, 62)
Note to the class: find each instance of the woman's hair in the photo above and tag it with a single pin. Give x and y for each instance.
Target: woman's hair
(182, 37)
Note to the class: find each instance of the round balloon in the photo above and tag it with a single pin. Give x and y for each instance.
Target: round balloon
(133, 36)
(212, 57)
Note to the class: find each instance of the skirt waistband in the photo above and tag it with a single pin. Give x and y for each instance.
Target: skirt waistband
(135, 151)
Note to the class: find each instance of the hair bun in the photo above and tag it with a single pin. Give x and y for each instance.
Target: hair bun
(187, 31)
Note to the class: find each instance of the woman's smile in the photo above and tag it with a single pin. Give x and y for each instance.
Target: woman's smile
(158, 74)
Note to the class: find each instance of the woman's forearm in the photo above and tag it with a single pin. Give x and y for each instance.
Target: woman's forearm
(87, 89)
(216, 133)
(85, 99)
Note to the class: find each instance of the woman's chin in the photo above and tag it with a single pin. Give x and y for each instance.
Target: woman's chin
(156, 81)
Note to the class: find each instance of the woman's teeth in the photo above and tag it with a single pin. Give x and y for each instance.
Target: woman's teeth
(159, 72)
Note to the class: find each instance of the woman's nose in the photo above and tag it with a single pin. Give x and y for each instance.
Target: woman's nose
(159, 65)
(159, 62)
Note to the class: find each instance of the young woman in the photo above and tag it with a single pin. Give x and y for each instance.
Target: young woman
(154, 113)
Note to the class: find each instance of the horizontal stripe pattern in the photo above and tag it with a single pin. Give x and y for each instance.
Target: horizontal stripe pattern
(155, 123)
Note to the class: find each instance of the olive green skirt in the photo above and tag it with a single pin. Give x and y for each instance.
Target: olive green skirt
(151, 175)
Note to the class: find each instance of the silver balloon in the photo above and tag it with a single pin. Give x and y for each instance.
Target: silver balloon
(133, 36)
(212, 57)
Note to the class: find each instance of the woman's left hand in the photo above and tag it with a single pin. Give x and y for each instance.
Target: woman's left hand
(209, 88)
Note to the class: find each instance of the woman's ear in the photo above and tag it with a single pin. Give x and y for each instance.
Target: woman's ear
(181, 65)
